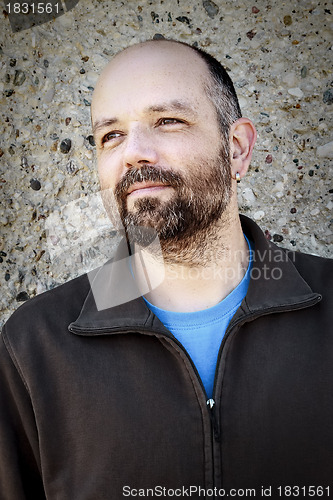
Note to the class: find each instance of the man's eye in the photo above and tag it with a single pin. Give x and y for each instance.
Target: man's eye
(169, 121)
(111, 136)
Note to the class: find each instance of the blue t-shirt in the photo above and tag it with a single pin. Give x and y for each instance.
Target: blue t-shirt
(201, 332)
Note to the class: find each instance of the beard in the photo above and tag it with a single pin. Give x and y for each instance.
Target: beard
(186, 223)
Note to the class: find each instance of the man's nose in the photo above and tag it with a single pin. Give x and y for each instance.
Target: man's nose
(140, 148)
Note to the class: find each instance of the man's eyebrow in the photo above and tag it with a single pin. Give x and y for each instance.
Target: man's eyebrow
(105, 122)
(175, 105)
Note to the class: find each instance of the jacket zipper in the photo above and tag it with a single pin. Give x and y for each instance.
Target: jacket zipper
(210, 403)
(215, 426)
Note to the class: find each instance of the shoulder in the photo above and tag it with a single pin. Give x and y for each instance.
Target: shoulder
(49, 311)
(316, 271)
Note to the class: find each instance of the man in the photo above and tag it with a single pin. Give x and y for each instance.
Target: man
(216, 380)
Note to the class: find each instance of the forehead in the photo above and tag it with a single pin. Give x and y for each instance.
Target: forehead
(148, 74)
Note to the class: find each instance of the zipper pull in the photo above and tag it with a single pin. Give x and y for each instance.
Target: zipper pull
(210, 403)
(211, 406)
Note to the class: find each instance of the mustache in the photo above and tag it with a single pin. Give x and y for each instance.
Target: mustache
(147, 173)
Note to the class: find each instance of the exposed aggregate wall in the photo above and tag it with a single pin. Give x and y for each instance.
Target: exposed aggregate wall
(279, 54)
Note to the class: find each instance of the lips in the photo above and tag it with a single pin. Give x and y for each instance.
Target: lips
(145, 186)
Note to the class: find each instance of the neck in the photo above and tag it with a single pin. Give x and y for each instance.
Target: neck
(187, 285)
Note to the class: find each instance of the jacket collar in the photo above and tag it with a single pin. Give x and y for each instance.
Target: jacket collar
(275, 281)
(275, 285)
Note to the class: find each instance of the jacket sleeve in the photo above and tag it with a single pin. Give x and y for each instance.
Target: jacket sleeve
(20, 477)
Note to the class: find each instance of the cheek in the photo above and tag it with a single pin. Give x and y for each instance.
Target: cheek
(192, 148)
(192, 160)
(107, 172)
(178, 152)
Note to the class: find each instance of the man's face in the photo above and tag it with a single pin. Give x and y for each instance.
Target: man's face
(158, 141)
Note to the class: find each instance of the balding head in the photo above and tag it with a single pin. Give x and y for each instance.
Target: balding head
(155, 50)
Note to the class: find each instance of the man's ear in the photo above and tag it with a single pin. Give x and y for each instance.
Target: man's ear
(242, 136)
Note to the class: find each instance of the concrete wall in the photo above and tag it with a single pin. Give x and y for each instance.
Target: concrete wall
(278, 54)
